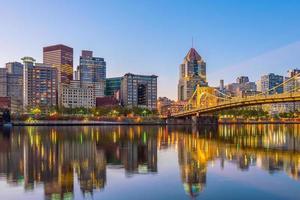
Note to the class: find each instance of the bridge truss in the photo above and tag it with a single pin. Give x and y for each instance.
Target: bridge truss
(210, 100)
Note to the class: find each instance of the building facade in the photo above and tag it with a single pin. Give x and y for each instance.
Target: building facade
(40, 85)
(270, 81)
(77, 95)
(112, 85)
(192, 72)
(15, 85)
(3, 82)
(91, 69)
(11, 85)
(139, 91)
(60, 57)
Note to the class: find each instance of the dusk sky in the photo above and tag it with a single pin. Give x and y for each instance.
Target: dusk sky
(152, 37)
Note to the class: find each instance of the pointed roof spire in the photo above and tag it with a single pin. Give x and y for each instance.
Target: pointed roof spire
(193, 55)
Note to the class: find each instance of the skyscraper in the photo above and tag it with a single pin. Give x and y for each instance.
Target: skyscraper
(139, 91)
(15, 85)
(3, 82)
(60, 57)
(92, 69)
(270, 81)
(40, 85)
(192, 72)
(11, 85)
(242, 79)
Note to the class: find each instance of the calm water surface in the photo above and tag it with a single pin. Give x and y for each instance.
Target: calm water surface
(151, 162)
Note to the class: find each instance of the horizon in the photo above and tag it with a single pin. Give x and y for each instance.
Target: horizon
(152, 38)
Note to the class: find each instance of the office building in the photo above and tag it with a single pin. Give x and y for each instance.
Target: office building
(91, 69)
(291, 86)
(192, 72)
(221, 86)
(77, 94)
(242, 87)
(11, 85)
(270, 81)
(242, 79)
(139, 91)
(60, 57)
(40, 85)
(112, 85)
(15, 85)
(3, 82)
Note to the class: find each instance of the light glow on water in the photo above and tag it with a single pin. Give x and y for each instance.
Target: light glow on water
(150, 162)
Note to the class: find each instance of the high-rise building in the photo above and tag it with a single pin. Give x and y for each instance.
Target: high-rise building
(77, 94)
(40, 85)
(60, 57)
(139, 91)
(242, 87)
(192, 73)
(3, 82)
(270, 81)
(242, 79)
(15, 85)
(291, 86)
(112, 85)
(91, 69)
(11, 85)
(221, 87)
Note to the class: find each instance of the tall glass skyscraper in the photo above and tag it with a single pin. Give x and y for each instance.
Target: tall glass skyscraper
(91, 69)
(270, 81)
(15, 85)
(192, 72)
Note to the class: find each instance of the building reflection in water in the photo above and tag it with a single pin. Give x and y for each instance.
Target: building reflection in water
(55, 157)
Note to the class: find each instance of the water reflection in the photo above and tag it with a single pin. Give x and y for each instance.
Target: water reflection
(55, 157)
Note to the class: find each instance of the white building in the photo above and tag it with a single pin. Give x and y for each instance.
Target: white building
(76, 94)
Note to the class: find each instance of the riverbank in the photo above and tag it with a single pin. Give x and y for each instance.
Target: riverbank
(107, 123)
(260, 121)
(83, 123)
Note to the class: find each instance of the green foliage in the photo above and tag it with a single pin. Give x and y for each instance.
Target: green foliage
(245, 113)
(114, 111)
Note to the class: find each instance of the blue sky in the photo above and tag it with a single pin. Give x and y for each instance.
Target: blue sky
(153, 36)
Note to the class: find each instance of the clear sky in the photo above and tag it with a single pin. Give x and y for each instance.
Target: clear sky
(152, 36)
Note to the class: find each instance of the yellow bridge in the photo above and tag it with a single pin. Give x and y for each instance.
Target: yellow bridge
(208, 100)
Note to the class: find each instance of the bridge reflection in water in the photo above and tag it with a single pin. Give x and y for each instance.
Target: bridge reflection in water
(56, 157)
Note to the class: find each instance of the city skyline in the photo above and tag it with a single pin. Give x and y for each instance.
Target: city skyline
(257, 39)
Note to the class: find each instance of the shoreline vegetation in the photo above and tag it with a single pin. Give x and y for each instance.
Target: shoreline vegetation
(142, 121)
(139, 116)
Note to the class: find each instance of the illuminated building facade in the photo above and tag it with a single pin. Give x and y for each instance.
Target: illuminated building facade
(192, 72)
(15, 85)
(40, 85)
(61, 57)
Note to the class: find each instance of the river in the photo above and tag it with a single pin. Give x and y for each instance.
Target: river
(150, 162)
